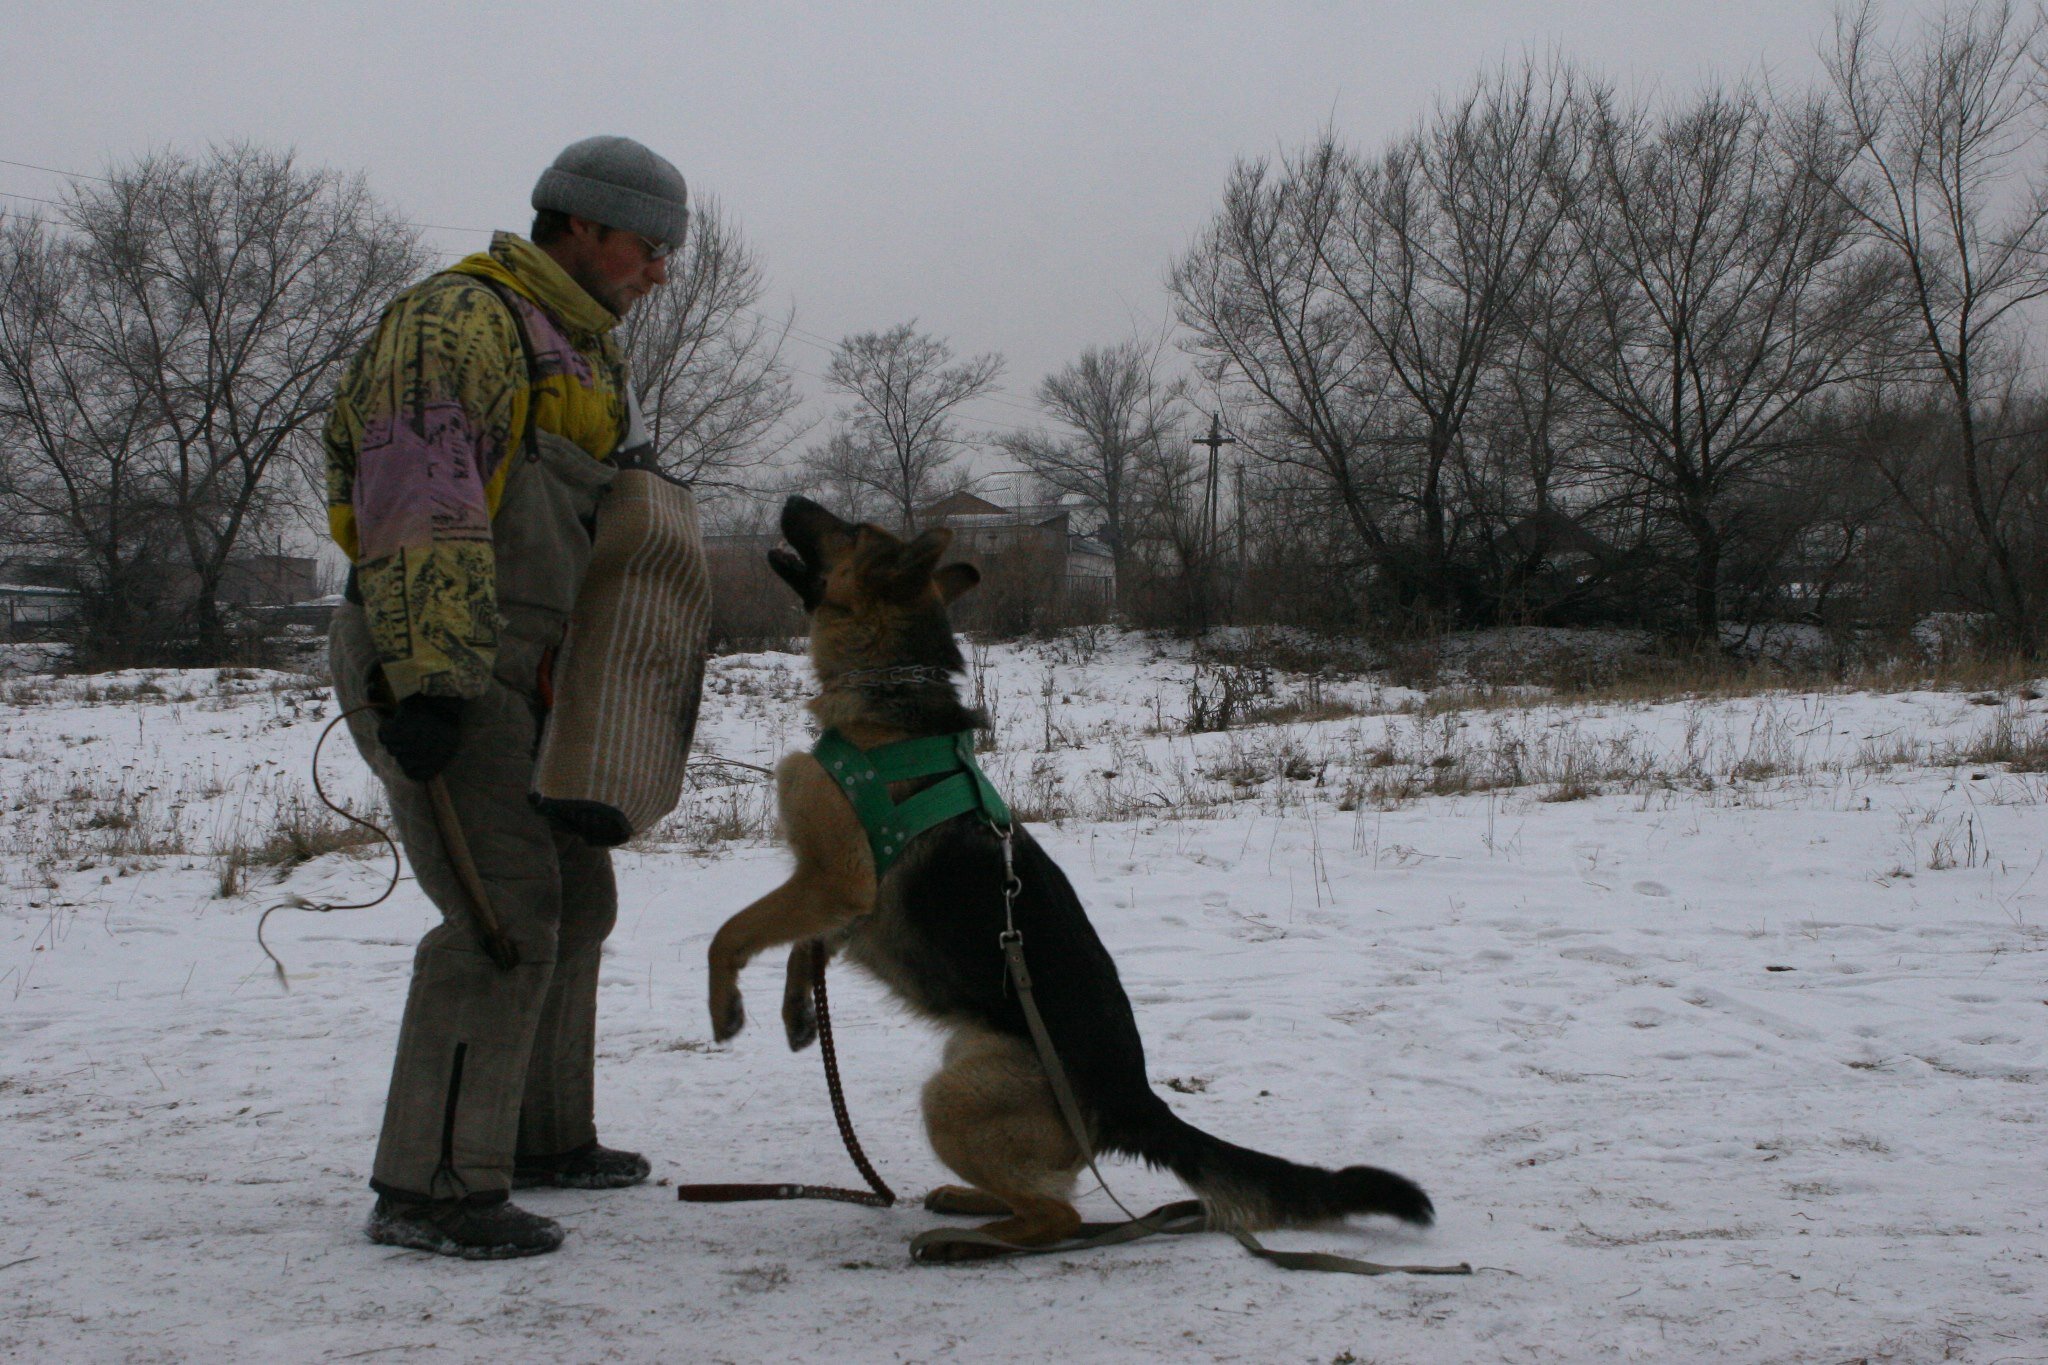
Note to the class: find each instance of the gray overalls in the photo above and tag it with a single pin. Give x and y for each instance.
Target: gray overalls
(492, 1062)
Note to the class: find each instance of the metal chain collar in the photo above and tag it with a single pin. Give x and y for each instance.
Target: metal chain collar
(896, 675)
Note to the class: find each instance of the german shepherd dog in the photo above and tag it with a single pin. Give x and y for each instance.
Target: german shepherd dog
(929, 931)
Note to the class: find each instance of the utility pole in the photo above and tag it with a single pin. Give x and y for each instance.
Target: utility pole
(1215, 440)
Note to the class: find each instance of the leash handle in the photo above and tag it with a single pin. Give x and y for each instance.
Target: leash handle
(456, 845)
(742, 1194)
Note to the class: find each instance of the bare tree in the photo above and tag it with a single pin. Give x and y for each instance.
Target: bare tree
(1275, 333)
(899, 429)
(1435, 242)
(1171, 547)
(223, 295)
(1949, 176)
(842, 470)
(78, 482)
(714, 388)
(1113, 410)
(1723, 290)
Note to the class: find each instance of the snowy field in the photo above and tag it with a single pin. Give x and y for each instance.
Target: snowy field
(1715, 1029)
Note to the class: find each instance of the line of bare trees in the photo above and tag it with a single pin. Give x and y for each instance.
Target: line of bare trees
(1558, 355)
(1552, 355)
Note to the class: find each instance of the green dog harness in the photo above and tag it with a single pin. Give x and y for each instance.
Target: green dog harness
(865, 777)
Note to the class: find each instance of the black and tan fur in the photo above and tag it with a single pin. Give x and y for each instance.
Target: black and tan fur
(929, 932)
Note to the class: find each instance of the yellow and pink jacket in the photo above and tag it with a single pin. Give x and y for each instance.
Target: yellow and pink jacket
(421, 439)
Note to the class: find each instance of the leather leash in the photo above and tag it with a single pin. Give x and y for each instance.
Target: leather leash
(878, 1195)
(456, 845)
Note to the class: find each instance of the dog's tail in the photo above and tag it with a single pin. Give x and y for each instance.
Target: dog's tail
(1247, 1189)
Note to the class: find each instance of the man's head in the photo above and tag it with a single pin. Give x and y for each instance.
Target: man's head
(609, 211)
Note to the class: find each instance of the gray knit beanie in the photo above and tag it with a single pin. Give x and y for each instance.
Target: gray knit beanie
(619, 183)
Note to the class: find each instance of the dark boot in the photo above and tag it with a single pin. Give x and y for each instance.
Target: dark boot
(494, 1230)
(589, 1167)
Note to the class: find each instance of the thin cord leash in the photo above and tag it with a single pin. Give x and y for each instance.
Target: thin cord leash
(501, 949)
(320, 907)
(464, 867)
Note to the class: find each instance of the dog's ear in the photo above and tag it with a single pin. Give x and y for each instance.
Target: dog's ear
(820, 537)
(955, 579)
(809, 584)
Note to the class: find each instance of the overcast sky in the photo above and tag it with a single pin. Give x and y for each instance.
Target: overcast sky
(1014, 176)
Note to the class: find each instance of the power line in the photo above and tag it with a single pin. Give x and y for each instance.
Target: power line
(76, 175)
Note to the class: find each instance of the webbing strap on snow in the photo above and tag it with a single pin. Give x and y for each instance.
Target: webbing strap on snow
(938, 1246)
(943, 1246)
(1048, 1059)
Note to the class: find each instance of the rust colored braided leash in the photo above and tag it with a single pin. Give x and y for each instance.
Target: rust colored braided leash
(878, 1194)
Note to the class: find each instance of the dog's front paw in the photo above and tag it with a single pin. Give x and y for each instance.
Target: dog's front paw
(728, 1011)
(799, 1023)
(799, 1007)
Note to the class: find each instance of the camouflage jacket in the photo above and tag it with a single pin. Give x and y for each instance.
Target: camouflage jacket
(419, 444)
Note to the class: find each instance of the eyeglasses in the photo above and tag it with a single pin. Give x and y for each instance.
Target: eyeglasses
(651, 249)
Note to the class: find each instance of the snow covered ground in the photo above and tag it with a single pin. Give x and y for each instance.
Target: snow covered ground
(1715, 1029)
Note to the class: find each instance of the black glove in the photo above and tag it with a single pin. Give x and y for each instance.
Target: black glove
(423, 734)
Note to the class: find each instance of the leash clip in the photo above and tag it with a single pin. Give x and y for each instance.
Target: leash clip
(1010, 941)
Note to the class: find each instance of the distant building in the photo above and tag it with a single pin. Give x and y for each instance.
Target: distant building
(38, 595)
(992, 537)
(30, 610)
(268, 580)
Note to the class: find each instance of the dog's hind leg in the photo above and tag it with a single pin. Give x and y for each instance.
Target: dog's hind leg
(964, 1199)
(992, 1118)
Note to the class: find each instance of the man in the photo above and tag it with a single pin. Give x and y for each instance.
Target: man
(467, 450)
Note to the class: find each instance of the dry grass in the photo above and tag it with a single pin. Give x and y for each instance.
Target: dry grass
(90, 818)
(298, 830)
(715, 811)
(2011, 738)
(1664, 680)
